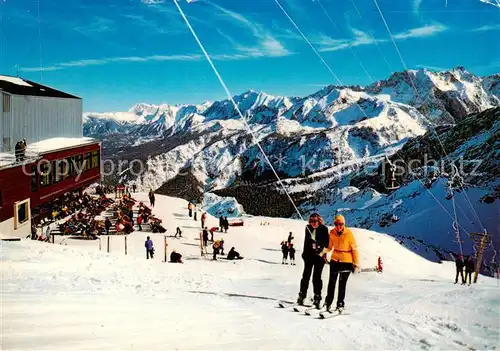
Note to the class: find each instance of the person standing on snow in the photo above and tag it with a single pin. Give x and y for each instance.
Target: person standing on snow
(344, 260)
(149, 248)
(291, 252)
(469, 268)
(459, 264)
(284, 250)
(315, 241)
(379, 265)
(290, 238)
(203, 219)
(205, 236)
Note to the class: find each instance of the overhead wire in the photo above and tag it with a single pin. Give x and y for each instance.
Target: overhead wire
(230, 96)
(361, 109)
(416, 91)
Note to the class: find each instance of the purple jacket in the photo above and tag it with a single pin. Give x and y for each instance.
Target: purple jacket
(148, 244)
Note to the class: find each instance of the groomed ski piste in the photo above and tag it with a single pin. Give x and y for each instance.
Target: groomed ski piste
(71, 296)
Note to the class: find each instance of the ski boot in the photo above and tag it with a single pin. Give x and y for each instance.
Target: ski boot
(317, 301)
(340, 308)
(300, 300)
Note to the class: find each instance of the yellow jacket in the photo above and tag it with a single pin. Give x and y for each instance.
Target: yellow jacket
(344, 247)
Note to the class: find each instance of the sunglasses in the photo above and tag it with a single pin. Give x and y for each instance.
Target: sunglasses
(339, 224)
(313, 220)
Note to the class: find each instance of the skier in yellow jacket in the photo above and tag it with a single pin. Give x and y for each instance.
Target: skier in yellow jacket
(344, 260)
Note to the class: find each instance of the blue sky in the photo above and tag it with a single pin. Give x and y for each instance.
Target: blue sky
(115, 53)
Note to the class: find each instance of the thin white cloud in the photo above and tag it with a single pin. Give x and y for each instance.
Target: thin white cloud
(326, 43)
(434, 68)
(425, 31)
(247, 53)
(495, 3)
(152, 2)
(487, 28)
(267, 44)
(108, 60)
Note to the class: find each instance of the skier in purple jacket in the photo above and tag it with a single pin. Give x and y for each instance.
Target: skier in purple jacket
(150, 250)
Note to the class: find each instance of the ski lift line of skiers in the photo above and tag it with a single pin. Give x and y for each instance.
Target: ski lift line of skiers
(460, 264)
(223, 221)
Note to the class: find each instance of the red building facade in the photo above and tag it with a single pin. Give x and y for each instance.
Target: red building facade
(50, 176)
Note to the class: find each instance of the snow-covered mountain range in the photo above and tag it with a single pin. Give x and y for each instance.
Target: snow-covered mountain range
(327, 147)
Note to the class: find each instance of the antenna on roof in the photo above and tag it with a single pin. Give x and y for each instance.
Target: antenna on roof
(17, 70)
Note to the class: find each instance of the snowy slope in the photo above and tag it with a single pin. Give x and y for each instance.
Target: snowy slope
(71, 296)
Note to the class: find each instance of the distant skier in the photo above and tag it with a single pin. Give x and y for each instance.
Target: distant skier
(212, 231)
(380, 268)
(205, 236)
(226, 224)
(178, 232)
(216, 247)
(175, 257)
(134, 187)
(151, 196)
(459, 265)
(190, 208)
(150, 250)
(343, 261)
(203, 219)
(284, 250)
(469, 268)
(221, 223)
(233, 255)
(315, 241)
(290, 238)
(291, 252)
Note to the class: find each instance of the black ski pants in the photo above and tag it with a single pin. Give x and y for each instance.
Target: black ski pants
(468, 275)
(149, 253)
(312, 265)
(461, 272)
(339, 270)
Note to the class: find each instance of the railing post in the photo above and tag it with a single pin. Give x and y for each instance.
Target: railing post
(108, 243)
(165, 247)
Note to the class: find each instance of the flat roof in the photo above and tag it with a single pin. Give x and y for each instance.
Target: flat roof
(20, 86)
(35, 150)
(57, 144)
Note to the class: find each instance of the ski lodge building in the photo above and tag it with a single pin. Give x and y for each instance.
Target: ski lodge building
(43, 154)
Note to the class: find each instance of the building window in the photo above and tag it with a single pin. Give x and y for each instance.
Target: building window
(44, 174)
(78, 164)
(56, 170)
(22, 214)
(63, 168)
(95, 159)
(6, 103)
(88, 161)
(69, 167)
(34, 183)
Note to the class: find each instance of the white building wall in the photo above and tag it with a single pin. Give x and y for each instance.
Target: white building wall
(7, 230)
(37, 118)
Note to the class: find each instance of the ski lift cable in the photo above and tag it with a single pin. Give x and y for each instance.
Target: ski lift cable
(207, 56)
(474, 212)
(361, 109)
(347, 42)
(371, 37)
(413, 84)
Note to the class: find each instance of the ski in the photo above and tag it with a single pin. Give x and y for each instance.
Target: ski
(330, 314)
(313, 310)
(301, 308)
